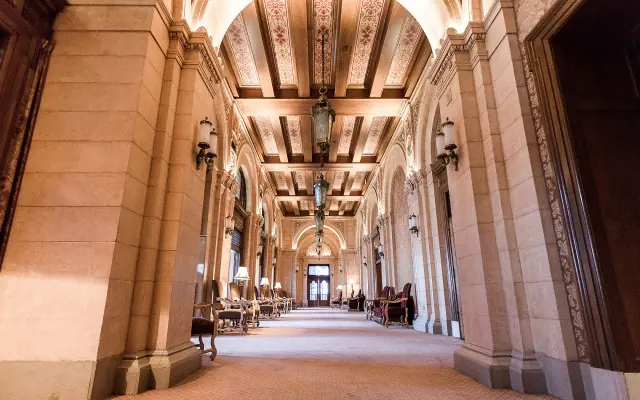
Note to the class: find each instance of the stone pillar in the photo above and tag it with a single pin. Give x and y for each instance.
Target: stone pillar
(486, 354)
(252, 229)
(269, 250)
(77, 227)
(417, 206)
(386, 235)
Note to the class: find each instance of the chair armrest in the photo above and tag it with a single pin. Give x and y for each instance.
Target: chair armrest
(395, 301)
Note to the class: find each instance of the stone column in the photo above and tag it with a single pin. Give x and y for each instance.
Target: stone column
(486, 354)
(252, 228)
(388, 263)
(417, 206)
(269, 250)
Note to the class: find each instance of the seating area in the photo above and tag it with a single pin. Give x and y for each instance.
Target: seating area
(391, 308)
(235, 314)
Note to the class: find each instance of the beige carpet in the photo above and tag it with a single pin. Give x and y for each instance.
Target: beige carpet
(331, 354)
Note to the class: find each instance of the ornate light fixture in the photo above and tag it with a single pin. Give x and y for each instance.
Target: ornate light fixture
(323, 115)
(241, 276)
(364, 261)
(264, 281)
(381, 250)
(320, 188)
(229, 225)
(319, 218)
(277, 286)
(446, 142)
(207, 139)
(413, 224)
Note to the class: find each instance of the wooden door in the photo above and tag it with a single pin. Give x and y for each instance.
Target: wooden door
(318, 286)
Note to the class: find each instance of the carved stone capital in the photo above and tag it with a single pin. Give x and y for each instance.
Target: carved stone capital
(367, 239)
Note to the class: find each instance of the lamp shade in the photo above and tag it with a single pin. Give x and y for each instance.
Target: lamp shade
(213, 141)
(323, 117)
(380, 248)
(449, 132)
(413, 223)
(264, 281)
(351, 282)
(278, 286)
(242, 274)
(320, 188)
(440, 143)
(339, 287)
(205, 131)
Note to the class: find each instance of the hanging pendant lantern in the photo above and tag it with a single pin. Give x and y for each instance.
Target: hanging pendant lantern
(319, 218)
(320, 188)
(323, 115)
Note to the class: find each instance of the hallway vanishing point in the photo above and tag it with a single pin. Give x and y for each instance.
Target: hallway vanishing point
(331, 354)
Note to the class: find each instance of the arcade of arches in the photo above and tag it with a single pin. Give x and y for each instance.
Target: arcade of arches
(523, 254)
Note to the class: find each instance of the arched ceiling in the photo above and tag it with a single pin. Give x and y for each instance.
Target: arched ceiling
(375, 53)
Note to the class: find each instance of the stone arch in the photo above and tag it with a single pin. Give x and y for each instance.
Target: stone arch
(396, 158)
(298, 235)
(434, 16)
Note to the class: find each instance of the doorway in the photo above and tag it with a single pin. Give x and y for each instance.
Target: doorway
(318, 284)
(590, 91)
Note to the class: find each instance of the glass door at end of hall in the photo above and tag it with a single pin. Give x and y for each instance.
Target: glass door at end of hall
(318, 284)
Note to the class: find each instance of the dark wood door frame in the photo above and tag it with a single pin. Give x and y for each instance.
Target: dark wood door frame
(319, 279)
(604, 351)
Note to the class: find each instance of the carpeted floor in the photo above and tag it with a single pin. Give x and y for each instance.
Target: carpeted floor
(331, 354)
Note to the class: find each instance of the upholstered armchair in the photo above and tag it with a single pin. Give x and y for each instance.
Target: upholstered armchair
(251, 307)
(356, 303)
(205, 323)
(374, 304)
(279, 302)
(399, 310)
(232, 316)
(267, 308)
(336, 301)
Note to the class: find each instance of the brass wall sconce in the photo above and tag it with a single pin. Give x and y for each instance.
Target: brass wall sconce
(364, 261)
(446, 144)
(207, 140)
(381, 250)
(229, 226)
(413, 224)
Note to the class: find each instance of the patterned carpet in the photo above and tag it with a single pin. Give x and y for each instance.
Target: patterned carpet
(331, 354)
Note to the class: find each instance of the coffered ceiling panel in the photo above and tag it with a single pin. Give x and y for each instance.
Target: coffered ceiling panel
(265, 130)
(346, 134)
(295, 138)
(375, 133)
(323, 22)
(300, 181)
(244, 62)
(281, 180)
(277, 17)
(358, 181)
(410, 36)
(368, 24)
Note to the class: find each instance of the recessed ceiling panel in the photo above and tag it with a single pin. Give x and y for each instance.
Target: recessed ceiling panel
(277, 17)
(265, 129)
(323, 22)
(410, 36)
(241, 51)
(368, 24)
(375, 133)
(295, 139)
(348, 125)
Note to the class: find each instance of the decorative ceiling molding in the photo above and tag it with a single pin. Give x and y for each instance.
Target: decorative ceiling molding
(238, 39)
(410, 36)
(265, 129)
(277, 16)
(375, 133)
(322, 22)
(300, 180)
(358, 181)
(368, 24)
(281, 180)
(338, 180)
(295, 137)
(348, 126)
(350, 205)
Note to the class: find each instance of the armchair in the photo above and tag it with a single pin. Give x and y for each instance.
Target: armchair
(279, 302)
(336, 301)
(251, 307)
(231, 314)
(201, 325)
(400, 310)
(356, 303)
(373, 304)
(267, 308)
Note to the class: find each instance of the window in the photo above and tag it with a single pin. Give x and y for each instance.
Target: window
(324, 290)
(313, 295)
(319, 270)
(242, 189)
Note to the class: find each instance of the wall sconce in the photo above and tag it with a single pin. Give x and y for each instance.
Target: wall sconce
(364, 261)
(229, 226)
(446, 142)
(260, 248)
(381, 250)
(340, 268)
(413, 224)
(207, 139)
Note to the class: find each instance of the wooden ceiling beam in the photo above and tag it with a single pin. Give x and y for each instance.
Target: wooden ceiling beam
(268, 107)
(254, 137)
(296, 208)
(310, 198)
(343, 207)
(279, 137)
(330, 177)
(227, 68)
(351, 167)
(363, 134)
(347, 188)
(335, 139)
(300, 39)
(346, 41)
(397, 16)
(386, 139)
(306, 137)
(308, 177)
(252, 22)
(290, 186)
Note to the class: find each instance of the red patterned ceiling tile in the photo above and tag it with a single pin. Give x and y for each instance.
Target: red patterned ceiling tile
(322, 22)
(368, 24)
(265, 129)
(280, 34)
(241, 52)
(410, 36)
(295, 138)
(375, 133)
(348, 125)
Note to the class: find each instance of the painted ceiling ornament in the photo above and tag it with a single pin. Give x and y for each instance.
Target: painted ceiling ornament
(277, 17)
(375, 134)
(241, 50)
(368, 24)
(295, 137)
(323, 24)
(406, 46)
(265, 129)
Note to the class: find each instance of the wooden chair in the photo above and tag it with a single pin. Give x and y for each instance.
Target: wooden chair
(336, 301)
(251, 307)
(267, 308)
(232, 316)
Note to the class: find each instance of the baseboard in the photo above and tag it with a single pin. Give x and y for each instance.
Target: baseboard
(490, 369)
(526, 374)
(434, 327)
(420, 323)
